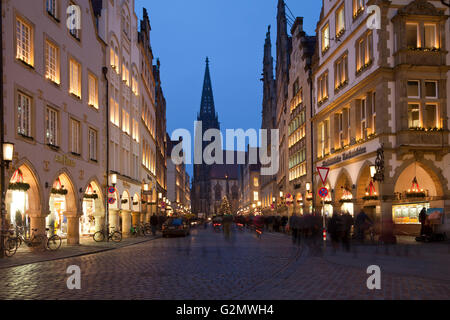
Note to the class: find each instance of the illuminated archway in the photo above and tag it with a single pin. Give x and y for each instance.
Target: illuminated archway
(23, 197)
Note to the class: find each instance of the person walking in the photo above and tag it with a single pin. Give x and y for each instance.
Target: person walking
(423, 220)
(333, 230)
(362, 223)
(293, 226)
(284, 221)
(347, 222)
(154, 223)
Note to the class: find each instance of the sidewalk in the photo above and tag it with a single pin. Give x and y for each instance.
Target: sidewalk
(25, 255)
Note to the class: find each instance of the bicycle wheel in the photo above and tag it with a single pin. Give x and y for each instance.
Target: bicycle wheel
(116, 236)
(10, 247)
(54, 243)
(99, 236)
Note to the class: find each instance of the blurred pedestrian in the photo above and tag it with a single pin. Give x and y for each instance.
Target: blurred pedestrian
(284, 221)
(347, 223)
(362, 224)
(154, 223)
(423, 220)
(333, 230)
(293, 226)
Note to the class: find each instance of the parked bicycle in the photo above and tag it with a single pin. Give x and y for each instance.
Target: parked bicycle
(113, 235)
(141, 230)
(12, 243)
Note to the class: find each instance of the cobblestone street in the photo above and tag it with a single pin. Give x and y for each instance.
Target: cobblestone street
(207, 266)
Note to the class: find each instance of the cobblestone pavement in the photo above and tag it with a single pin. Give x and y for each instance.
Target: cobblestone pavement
(208, 266)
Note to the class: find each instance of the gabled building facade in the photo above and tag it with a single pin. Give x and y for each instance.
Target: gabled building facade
(383, 88)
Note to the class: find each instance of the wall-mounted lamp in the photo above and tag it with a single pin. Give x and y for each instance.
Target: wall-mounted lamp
(308, 186)
(8, 153)
(114, 179)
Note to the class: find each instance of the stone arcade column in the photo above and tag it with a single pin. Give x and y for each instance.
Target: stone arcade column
(135, 218)
(99, 215)
(114, 220)
(73, 227)
(37, 221)
(126, 223)
(99, 221)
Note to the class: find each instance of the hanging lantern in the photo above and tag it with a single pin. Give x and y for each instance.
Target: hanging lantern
(415, 191)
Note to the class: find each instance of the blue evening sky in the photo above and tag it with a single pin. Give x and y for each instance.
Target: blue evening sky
(231, 33)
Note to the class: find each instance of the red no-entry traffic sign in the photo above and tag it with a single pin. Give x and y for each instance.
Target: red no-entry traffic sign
(323, 173)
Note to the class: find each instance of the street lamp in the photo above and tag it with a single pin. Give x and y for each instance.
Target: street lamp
(373, 171)
(114, 179)
(8, 153)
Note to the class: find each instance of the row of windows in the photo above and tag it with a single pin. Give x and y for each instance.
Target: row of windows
(25, 53)
(297, 158)
(148, 157)
(147, 117)
(364, 56)
(115, 65)
(358, 8)
(297, 122)
(53, 127)
(366, 120)
(297, 172)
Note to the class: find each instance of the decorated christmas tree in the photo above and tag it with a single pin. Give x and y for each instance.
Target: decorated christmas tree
(225, 207)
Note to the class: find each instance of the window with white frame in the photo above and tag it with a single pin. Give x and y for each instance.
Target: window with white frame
(431, 89)
(93, 91)
(325, 38)
(51, 62)
(364, 51)
(75, 138)
(322, 87)
(125, 121)
(51, 126)
(135, 131)
(75, 78)
(24, 42)
(341, 71)
(92, 144)
(74, 31)
(23, 114)
(414, 115)
(363, 119)
(358, 7)
(340, 21)
(341, 128)
(431, 36)
(412, 35)
(431, 116)
(51, 7)
(374, 113)
(413, 89)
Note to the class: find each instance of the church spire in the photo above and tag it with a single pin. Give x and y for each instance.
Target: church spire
(207, 105)
(207, 109)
